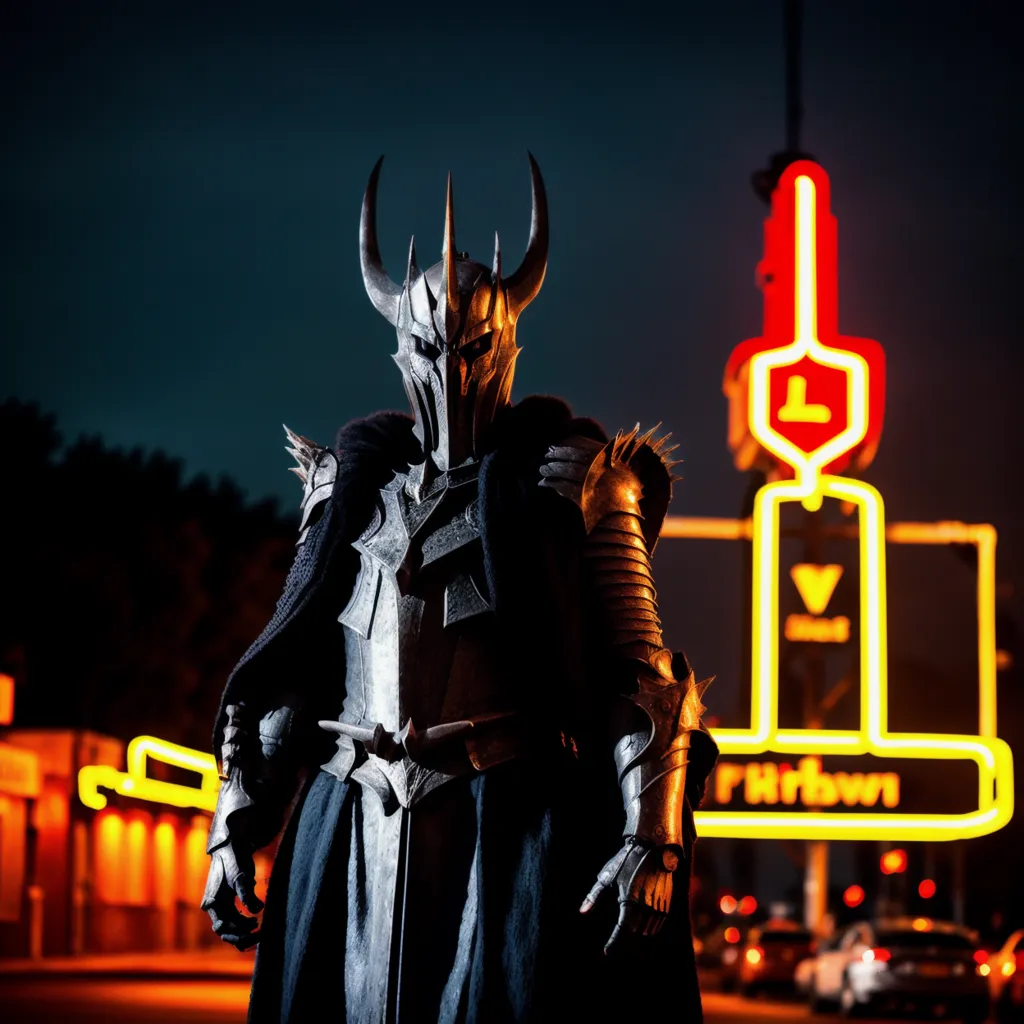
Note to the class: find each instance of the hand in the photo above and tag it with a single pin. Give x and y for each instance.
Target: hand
(642, 876)
(232, 873)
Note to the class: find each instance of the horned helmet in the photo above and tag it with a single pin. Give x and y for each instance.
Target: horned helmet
(456, 325)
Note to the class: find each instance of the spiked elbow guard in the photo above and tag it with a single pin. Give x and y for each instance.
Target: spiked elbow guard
(623, 489)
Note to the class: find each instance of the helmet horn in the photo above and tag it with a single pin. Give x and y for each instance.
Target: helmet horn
(383, 292)
(451, 282)
(522, 286)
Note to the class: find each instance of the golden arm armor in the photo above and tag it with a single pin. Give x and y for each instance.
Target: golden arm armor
(623, 489)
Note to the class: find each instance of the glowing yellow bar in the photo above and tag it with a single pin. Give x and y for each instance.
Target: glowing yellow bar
(136, 784)
(699, 528)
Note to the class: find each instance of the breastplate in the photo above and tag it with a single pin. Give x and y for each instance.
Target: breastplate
(421, 648)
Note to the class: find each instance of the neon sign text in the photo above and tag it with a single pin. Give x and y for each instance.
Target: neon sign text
(769, 783)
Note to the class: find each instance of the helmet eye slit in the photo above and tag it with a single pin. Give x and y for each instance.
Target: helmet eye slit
(472, 350)
(425, 348)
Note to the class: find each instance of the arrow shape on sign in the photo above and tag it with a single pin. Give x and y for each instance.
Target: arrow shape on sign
(816, 584)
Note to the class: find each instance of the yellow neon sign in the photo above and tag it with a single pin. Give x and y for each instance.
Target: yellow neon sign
(769, 783)
(808, 629)
(136, 783)
(809, 456)
(816, 584)
(992, 755)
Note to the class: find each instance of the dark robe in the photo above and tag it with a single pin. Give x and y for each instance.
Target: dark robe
(505, 858)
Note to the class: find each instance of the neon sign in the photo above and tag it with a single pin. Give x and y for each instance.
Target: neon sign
(136, 783)
(804, 400)
(805, 403)
(770, 783)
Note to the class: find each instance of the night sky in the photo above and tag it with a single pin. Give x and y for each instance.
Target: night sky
(180, 194)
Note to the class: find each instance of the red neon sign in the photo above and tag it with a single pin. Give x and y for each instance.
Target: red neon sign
(818, 401)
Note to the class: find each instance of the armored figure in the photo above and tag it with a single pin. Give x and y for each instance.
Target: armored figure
(464, 699)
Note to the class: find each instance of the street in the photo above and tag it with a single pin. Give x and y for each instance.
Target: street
(137, 1001)
(129, 1000)
(720, 1008)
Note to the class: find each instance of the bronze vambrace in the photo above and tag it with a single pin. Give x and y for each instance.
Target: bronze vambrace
(660, 705)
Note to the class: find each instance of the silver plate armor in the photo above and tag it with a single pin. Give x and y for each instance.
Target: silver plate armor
(426, 700)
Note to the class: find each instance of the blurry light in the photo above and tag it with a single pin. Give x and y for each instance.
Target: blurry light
(1004, 660)
(854, 896)
(980, 956)
(921, 924)
(137, 868)
(755, 955)
(6, 699)
(110, 843)
(728, 904)
(984, 970)
(732, 935)
(196, 861)
(1008, 968)
(747, 906)
(165, 864)
(879, 956)
(926, 890)
(894, 862)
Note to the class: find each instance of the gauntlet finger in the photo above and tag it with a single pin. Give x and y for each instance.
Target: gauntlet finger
(630, 920)
(245, 887)
(593, 896)
(213, 883)
(247, 941)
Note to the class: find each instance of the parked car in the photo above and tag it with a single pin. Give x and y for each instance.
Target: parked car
(1004, 970)
(720, 952)
(903, 964)
(770, 956)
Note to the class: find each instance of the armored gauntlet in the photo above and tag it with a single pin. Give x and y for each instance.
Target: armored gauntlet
(257, 782)
(622, 489)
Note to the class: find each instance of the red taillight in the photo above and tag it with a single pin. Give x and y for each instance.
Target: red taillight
(876, 956)
(755, 955)
(980, 956)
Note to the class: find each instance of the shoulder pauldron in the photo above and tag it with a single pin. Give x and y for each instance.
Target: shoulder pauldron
(317, 469)
(627, 475)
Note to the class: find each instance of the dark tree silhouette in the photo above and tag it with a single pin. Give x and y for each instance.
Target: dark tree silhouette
(128, 595)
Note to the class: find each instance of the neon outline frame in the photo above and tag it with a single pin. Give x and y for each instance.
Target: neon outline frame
(992, 755)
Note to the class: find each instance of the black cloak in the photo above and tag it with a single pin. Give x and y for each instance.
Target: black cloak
(538, 832)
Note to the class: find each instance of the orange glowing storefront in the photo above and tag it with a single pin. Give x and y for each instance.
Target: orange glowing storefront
(98, 873)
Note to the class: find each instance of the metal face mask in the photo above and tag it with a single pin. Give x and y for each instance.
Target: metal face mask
(456, 325)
